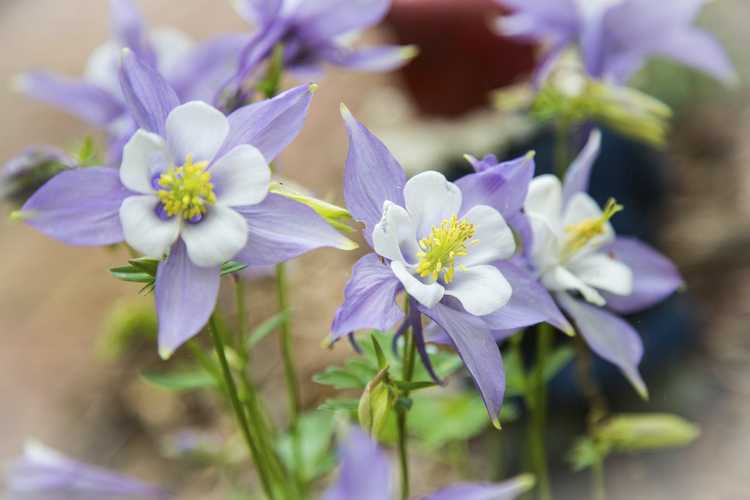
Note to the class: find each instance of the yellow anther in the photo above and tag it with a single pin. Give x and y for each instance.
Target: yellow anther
(582, 233)
(187, 190)
(446, 242)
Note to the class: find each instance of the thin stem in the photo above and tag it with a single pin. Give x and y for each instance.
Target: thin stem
(599, 491)
(410, 346)
(537, 402)
(238, 410)
(562, 148)
(239, 294)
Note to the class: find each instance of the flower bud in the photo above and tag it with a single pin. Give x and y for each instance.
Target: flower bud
(23, 175)
(375, 403)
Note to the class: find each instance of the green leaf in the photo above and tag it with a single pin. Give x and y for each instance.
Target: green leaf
(340, 404)
(557, 361)
(413, 386)
(585, 453)
(438, 419)
(266, 328)
(145, 264)
(339, 378)
(315, 435)
(180, 381)
(131, 274)
(232, 267)
(632, 432)
(382, 363)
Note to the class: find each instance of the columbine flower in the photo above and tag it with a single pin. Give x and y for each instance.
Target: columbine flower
(366, 474)
(43, 473)
(311, 32)
(192, 185)
(617, 36)
(576, 253)
(193, 71)
(439, 242)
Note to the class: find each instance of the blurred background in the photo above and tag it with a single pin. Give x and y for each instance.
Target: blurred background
(60, 381)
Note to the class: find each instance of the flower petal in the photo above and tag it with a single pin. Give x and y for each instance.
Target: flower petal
(507, 490)
(480, 289)
(269, 125)
(217, 238)
(365, 470)
(241, 177)
(603, 272)
(148, 97)
(369, 299)
(144, 155)
(144, 230)
(559, 279)
(494, 238)
(281, 228)
(503, 186)
(185, 298)
(479, 352)
(579, 173)
(87, 101)
(79, 207)
(610, 337)
(383, 58)
(395, 237)
(426, 294)
(430, 199)
(258, 12)
(196, 128)
(700, 50)
(129, 29)
(544, 200)
(655, 277)
(372, 175)
(324, 19)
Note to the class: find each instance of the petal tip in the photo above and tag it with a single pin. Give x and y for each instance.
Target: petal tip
(313, 87)
(19, 83)
(496, 423)
(21, 215)
(345, 113)
(526, 481)
(165, 353)
(409, 52)
(348, 245)
(530, 155)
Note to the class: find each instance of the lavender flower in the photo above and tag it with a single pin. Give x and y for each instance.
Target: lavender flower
(44, 474)
(193, 185)
(576, 253)
(366, 474)
(311, 32)
(448, 246)
(194, 71)
(617, 36)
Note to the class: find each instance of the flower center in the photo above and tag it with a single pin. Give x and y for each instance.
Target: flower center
(439, 250)
(187, 191)
(581, 234)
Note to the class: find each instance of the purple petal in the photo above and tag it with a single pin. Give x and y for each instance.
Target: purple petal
(530, 303)
(478, 351)
(540, 19)
(579, 173)
(384, 58)
(257, 50)
(185, 298)
(79, 207)
(502, 186)
(699, 50)
(415, 318)
(369, 299)
(324, 19)
(507, 490)
(87, 101)
(269, 125)
(281, 229)
(365, 470)
(148, 96)
(129, 30)
(609, 336)
(258, 12)
(371, 177)
(655, 277)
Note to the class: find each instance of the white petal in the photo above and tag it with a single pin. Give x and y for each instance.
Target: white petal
(394, 237)
(603, 272)
(144, 155)
(241, 177)
(582, 207)
(559, 279)
(545, 251)
(144, 230)
(430, 199)
(217, 238)
(545, 200)
(196, 128)
(426, 294)
(480, 289)
(494, 238)
(103, 66)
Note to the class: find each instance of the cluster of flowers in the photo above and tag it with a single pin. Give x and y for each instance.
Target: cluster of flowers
(187, 182)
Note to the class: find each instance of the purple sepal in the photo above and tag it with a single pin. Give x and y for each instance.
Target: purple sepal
(415, 318)
(507, 490)
(578, 175)
(366, 471)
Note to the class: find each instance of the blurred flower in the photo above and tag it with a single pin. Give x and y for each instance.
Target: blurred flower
(312, 32)
(192, 185)
(439, 242)
(27, 172)
(575, 251)
(616, 37)
(44, 474)
(366, 474)
(194, 71)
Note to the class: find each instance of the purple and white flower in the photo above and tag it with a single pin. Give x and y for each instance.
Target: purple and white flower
(315, 32)
(367, 474)
(616, 37)
(193, 187)
(193, 70)
(576, 253)
(44, 474)
(448, 246)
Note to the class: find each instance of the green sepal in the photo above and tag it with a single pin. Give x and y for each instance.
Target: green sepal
(180, 381)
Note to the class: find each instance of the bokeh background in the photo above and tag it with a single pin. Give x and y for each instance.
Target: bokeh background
(58, 383)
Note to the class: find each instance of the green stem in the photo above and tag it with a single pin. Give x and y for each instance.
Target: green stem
(239, 294)
(408, 372)
(238, 409)
(599, 491)
(537, 402)
(562, 148)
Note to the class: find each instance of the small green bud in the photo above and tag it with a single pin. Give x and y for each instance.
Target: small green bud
(630, 433)
(375, 403)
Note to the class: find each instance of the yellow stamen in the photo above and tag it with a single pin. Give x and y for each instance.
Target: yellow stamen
(446, 242)
(187, 190)
(582, 233)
